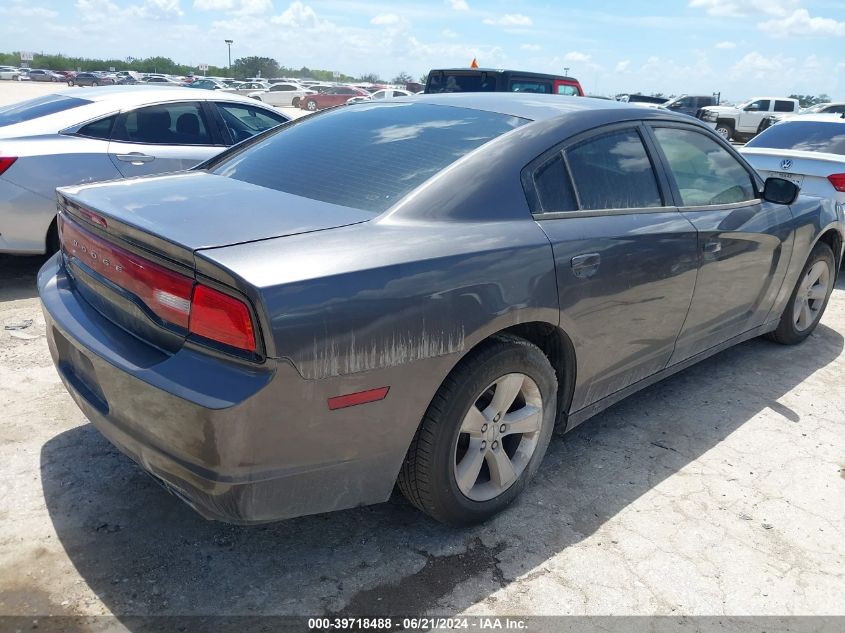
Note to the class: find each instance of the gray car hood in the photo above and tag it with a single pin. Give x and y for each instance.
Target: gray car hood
(196, 210)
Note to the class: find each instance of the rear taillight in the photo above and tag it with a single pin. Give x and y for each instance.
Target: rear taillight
(176, 299)
(222, 318)
(6, 162)
(838, 181)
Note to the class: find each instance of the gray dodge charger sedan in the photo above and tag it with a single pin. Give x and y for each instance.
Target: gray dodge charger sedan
(416, 291)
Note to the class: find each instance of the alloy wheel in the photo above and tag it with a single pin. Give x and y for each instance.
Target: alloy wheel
(811, 295)
(498, 437)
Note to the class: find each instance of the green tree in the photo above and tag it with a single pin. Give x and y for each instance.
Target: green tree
(402, 78)
(805, 101)
(370, 78)
(255, 67)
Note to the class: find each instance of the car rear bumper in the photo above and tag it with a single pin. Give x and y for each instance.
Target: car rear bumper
(239, 443)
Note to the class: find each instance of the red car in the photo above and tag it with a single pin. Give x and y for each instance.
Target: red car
(334, 96)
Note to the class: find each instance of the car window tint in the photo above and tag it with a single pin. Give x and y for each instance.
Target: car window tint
(367, 157)
(813, 136)
(704, 171)
(554, 190)
(524, 85)
(166, 124)
(244, 121)
(461, 82)
(762, 105)
(38, 107)
(98, 129)
(613, 171)
(783, 106)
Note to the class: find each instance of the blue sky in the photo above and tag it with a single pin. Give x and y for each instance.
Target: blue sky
(742, 48)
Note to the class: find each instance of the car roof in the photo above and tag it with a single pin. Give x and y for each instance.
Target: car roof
(536, 107)
(829, 117)
(128, 96)
(503, 71)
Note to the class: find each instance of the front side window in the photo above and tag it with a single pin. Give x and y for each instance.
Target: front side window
(165, 124)
(245, 121)
(761, 105)
(613, 171)
(367, 157)
(704, 171)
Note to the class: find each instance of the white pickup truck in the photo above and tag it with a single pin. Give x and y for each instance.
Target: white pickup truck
(742, 122)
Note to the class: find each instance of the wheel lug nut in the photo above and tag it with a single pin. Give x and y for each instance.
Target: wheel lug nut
(495, 445)
(496, 419)
(483, 445)
(483, 428)
(502, 428)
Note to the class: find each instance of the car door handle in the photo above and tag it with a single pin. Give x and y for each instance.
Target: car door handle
(136, 158)
(585, 265)
(712, 246)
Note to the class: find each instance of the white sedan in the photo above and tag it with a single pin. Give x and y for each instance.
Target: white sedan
(808, 150)
(378, 95)
(10, 72)
(282, 94)
(246, 87)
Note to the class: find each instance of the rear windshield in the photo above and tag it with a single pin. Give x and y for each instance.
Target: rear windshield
(814, 136)
(38, 107)
(367, 157)
(461, 82)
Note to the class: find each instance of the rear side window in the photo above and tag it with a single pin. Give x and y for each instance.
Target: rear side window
(784, 106)
(367, 157)
(613, 172)
(704, 171)
(38, 107)
(98, 129)
(527, 85)
(454, 82)
(165, 124)
(554, 189)
(813, 136)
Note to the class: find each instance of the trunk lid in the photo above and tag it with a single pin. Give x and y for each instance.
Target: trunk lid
(177, 214)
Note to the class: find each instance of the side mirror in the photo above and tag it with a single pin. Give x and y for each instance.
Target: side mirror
(780, 191)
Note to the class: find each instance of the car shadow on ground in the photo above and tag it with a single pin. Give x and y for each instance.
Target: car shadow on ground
(143, 552)
(18, 276)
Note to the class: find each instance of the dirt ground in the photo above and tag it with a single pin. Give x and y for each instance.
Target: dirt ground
(719, 491)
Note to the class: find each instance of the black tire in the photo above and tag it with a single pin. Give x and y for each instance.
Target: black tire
(70, 82)
(52, 243)
(725, 130)
(295, 102)
(311, 105)
(427, 478)
(787, 332)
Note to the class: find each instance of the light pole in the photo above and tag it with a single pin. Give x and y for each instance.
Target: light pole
(229, 44)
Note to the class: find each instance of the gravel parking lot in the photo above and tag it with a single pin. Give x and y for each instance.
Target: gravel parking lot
(720, 491)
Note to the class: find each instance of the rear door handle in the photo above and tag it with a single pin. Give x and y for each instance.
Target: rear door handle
(136, 158)
(585, 265)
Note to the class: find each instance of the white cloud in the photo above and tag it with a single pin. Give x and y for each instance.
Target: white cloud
(24, 11)
(801, 24)
(458, 5)
(235, 7)
(510, 19)
(386, 19)
(575, 56)
(531, 47)
(726, 45)
(298, 16)
(94, 11)
(622, 66)
(739, 8)
(214, 5)
(448, 33)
